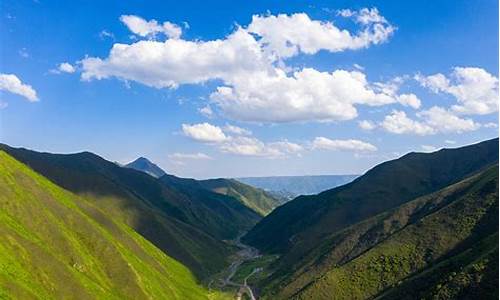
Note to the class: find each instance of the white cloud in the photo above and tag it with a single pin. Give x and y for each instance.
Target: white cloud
(66, 68)
(256, 84)
(397, 122)
(151, 28)
(189, 156)
(434, 120)
(342, 145)
(204, 132)
(306, 95)
(163, 64)
(409, 100)
(206, 111)
(236, 130)
(239, 143)
(367, 125)
(475, 90)
(287, 147)
(287, 35)
(443, 120)
(251, 146)
(450, 142)
(11, 83)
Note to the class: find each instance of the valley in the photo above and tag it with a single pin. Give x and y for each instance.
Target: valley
(432, 230)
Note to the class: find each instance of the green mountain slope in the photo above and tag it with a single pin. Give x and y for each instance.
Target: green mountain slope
(56, 244)
(143, 164)
(254, 198)
(187, 228)
(299, 226)
(440, 246)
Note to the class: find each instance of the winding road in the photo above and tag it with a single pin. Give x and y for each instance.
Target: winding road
(245, 253)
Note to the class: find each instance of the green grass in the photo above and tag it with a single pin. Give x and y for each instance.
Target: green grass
(188, 225)
(57, 245)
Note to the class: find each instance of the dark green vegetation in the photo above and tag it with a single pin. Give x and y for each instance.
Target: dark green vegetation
(57, 245)
(293, 186)
(444, 244)
(146, 166)
(189, 227)
(253, 198)
(386, 234)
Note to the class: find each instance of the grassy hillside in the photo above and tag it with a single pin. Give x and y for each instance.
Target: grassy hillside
(187, 227)
(439, 246)
(299, 226)
(56, 244)
(254, 198)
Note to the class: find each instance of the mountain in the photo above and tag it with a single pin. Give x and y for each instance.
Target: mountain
(439, 246)
(293, 186)
(143, 164)
(255, 198)
(299, 225)
(190, 228)
(58, 245)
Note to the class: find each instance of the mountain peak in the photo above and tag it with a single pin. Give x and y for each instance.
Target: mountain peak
(145, 165)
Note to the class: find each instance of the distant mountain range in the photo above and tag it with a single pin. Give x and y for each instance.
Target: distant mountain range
(254, 198)
(293, 186)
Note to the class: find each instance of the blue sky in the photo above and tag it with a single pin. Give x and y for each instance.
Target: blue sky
(289, 89)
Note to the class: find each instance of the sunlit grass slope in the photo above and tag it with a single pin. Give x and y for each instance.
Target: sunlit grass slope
(56, 245)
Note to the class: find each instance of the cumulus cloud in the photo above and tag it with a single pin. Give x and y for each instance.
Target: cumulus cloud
(409, 100)
(189, 156)
(287, 35)
(249, 63)
(12, 84)
(66, 68)
(306, 95)
(163, 64)
(239, 143)
(204, 132)
(475, 90)
(398, 122)
(143, 28)
(432, 121)
(236, 130)
(342, 145)
(443, 120)
(367, 125)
